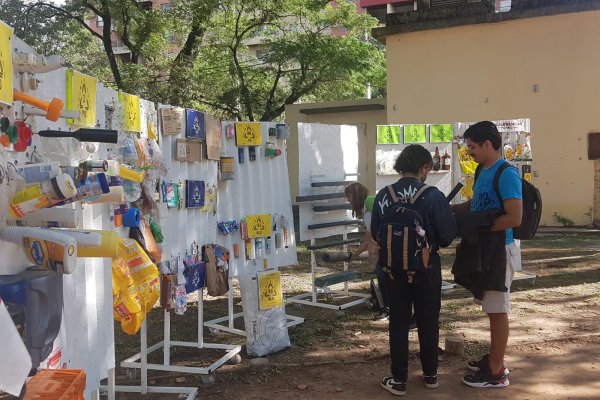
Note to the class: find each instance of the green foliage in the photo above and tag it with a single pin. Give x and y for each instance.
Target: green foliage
(242, 59)
(563, 220)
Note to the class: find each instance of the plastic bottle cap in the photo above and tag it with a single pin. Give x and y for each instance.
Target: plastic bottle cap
(66, 185)
(131, 218)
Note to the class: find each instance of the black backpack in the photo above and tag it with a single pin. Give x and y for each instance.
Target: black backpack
(532, 204)
(402, 236)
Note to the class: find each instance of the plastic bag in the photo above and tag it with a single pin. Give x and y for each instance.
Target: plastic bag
(217, 266)
(135, 285)
(266, 330)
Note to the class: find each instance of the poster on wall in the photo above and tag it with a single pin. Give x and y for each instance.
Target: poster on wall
(269, 290)
(388, 134)
(248, 134)
(194, 193)
(6, 70)
(81, 96)
(195, 125)
(441, 133)
(171, 119)
(415, 133)
(133, 120)
(213, 138)
(259, 225)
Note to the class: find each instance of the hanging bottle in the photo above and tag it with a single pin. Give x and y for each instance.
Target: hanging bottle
(446, 161)
(436, 160)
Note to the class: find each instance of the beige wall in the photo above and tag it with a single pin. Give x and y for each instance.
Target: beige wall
(369, 119)
(487, 71)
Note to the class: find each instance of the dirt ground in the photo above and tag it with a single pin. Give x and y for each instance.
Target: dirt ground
(553, 353)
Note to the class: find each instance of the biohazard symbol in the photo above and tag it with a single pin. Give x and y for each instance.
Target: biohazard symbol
(84, 100)
(248, 133)
(259, 226)
(270, 292)
(131, 112)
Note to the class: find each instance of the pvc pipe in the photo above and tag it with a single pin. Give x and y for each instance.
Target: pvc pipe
(49, 218)
(94, 243)
(44, 247)
(115, 195)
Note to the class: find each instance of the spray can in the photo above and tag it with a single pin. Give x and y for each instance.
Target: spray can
(41, 195)
(278, 240)
(236, 250)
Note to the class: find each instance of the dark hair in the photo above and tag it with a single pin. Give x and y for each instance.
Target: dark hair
(412, 159)
(482, 131)
(356, 193)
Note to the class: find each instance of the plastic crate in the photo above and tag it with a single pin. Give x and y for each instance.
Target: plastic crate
(56, 384)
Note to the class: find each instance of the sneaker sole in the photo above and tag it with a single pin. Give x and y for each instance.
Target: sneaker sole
(431, 385)
(476, 369)
(392, 391)
(503, 383)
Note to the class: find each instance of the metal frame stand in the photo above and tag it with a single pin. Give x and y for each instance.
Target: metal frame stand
(143, 389)
(139, 360)
(216, 325)
(299, 299)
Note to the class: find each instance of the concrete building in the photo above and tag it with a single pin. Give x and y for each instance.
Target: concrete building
(540, 61)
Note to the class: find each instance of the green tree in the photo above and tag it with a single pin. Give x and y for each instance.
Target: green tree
(242, 59)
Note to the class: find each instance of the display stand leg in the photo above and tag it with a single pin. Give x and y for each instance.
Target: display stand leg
(167, 336)
(140, 360)
(143, 389)
(313, 271)
(310, 298)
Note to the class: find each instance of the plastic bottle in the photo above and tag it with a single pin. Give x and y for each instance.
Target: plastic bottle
(33, 173)
(41, 195)
(446, 161)
(49, 218)
(95, 185)
(46, 248)
(115, 195)
(131, 174)
(437, 162)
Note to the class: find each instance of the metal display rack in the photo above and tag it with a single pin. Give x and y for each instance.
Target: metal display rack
(320, 285)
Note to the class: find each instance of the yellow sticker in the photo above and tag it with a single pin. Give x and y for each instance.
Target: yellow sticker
(81, 96)
(6, 69)
(133, 120)
(259, 225)
(269, 290)
(248, 134)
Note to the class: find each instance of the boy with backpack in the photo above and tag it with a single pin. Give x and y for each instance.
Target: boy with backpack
(410, 222)
(486, 259)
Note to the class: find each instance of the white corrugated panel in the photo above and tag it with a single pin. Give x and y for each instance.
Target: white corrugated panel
(259, 187)
(326, 153)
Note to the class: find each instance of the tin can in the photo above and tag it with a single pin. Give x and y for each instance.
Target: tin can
(236, 250)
